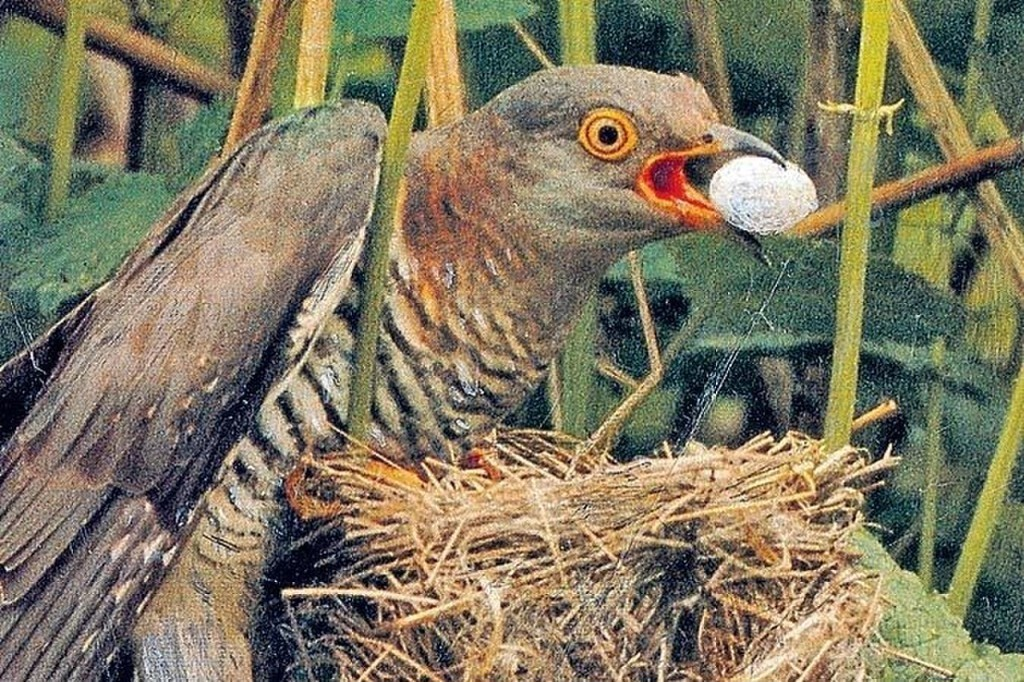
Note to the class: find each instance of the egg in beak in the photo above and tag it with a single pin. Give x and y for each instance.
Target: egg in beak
(666, 183)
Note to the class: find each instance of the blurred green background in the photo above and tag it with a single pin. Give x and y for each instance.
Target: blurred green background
(931, 275)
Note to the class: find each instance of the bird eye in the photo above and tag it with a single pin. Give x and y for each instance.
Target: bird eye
(608, 134)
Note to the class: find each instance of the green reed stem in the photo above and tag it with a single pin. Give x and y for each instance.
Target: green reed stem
(403, 114)
(990, 503)
(314, 53)
(72, 65)
(874, 47)
(578, 26)
(934, 457)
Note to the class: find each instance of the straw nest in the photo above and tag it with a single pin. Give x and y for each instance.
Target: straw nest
(548, 564)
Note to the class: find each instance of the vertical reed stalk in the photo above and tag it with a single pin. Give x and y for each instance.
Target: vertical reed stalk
(314, 53)
(990, 503)
(256, 87)
(445, 93)
(72, 65)
(972, 81)
(403, 113)
(951, 133)
(578, 27)
(712, 72)
(874, 44)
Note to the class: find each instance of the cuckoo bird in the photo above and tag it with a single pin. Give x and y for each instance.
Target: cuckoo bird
(222, 347)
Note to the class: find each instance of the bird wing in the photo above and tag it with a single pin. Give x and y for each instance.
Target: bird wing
(23, 376)
(159, 376)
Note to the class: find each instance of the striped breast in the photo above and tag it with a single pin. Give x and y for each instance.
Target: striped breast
(462, 343)
(459, 348)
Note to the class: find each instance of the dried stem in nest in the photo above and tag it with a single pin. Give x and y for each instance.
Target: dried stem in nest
(721, 564)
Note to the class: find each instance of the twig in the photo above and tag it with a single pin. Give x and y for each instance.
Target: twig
(532, 45)
(880, 412)
(945, 673)
(605, 436)
(959, 173)
(134, 48)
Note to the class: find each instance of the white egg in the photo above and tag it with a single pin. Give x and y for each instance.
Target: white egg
(756, 194)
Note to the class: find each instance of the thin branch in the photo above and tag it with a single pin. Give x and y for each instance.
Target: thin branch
(605, 436)
(532, 45)
(134, 48)
(959, 173)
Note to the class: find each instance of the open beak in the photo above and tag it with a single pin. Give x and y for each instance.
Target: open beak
(663, 181)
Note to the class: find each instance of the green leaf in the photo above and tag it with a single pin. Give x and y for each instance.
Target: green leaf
(798, 292)
(24, 48)
(390, 18)
(22, 176)
(100, 227)
(919, 626)
(199, 140)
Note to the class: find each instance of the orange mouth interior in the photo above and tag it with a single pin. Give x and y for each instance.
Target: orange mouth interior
(663, 183)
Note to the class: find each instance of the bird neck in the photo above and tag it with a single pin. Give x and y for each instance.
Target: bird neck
(473, 239)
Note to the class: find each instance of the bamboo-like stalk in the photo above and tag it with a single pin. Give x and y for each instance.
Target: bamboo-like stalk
(577, 23)
(953, 136)
(132, 47)
(314, 53)
(386, 211)
(817, 137)
(255, 90)
(874, 47)
(63, 144)
(445, 93)
(990, 503)
(992, 332)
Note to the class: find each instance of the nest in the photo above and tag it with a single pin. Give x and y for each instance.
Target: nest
(545, 564)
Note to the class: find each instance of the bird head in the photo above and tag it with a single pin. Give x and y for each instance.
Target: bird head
(511, 216)
(565, 172)
(611, 155)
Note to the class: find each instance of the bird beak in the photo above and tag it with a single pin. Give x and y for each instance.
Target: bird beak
(664, 183)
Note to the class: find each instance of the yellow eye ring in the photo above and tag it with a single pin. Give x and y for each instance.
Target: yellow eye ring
(609, 134)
